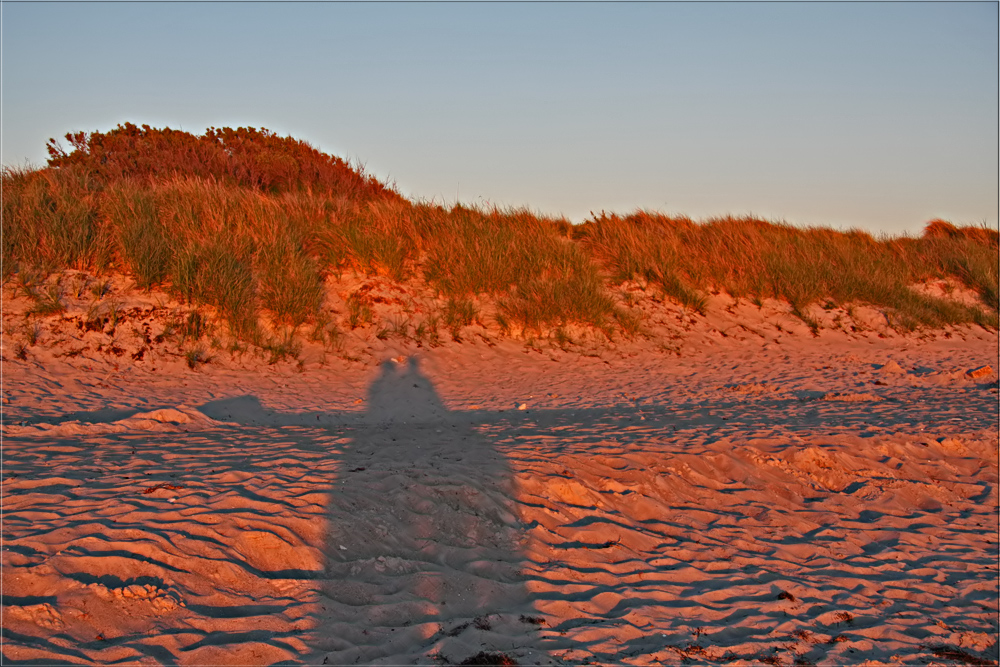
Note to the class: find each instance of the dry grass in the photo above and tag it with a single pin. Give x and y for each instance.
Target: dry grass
(756, 259)
(377, 238)
(50, 220)
(538, 276)
(252, 224)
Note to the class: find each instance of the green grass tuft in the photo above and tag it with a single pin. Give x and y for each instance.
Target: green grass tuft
(359, 312)
(459, 313)
(196, 356)
(142, 239)
(47, 302)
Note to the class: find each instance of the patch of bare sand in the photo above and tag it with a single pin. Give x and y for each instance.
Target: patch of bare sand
(768, 497)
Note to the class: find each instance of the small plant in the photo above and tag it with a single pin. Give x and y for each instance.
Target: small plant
(629, 322)
(670, 348)
(100, 289)
(359, 313)
(48, 302)
(93, 321)
(562, 338)
(194, 326)
(21, 351)
(236, 348)
(399, 328)
(196, 356)
(113, 315)
(81, 286)
(318, 334)
(433, 337)
(808, 319)
(419, 332)
(383, 333)
(902, 322)
(503, 323)
(282, 348)
(459, 313)
(169, 332)
(334, 338)
(685, 295)
(32, 331)
(28, 282)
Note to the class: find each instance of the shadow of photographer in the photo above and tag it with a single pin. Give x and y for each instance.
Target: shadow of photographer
(423, 551)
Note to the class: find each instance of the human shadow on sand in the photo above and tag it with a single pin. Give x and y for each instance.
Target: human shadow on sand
(423, 553)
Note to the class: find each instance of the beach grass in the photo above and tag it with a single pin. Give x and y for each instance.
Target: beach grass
(756, 259)
(253, 224)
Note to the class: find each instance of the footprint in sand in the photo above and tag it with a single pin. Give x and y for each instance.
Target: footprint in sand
(44, 615)
(849, 398)
(267, 552)
(162, 601)
(752, 388)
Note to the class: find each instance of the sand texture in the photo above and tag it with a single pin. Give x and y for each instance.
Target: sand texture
(759, 499)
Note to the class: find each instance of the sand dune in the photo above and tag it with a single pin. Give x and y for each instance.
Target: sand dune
(794, 500)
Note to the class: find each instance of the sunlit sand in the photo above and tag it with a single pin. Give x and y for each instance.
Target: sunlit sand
(755, 495)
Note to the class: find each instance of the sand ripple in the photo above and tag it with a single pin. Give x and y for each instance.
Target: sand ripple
(747, 524)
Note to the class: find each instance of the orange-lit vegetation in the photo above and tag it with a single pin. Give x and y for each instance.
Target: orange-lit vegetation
(246, 221)
(246, 157)
(751, 258)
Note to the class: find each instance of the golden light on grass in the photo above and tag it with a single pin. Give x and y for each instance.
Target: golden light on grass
(251, 224)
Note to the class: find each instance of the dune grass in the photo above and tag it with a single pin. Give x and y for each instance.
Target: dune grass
(50, 220)
(968, 254)
(756, 259)
(252, 224)
(537, 275)
(376, 238)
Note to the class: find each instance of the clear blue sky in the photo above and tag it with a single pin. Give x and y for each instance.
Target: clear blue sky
(879, 116)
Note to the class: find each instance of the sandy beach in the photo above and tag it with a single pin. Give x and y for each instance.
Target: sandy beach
(754, 494)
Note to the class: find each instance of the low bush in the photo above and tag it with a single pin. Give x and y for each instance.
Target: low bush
(245, 157)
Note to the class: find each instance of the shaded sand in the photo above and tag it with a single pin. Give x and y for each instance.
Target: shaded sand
(778, 500)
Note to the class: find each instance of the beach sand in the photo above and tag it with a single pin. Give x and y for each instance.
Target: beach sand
(761, 496)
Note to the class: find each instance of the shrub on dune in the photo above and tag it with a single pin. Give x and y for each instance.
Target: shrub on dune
(246, 157)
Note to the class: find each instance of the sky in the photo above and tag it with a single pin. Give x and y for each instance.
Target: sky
(878, 116)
